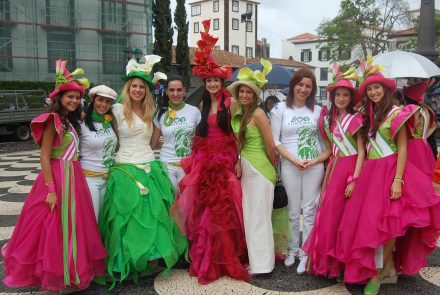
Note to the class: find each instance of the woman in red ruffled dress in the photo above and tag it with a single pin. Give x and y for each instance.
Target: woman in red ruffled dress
(209, 209)
(56, 243)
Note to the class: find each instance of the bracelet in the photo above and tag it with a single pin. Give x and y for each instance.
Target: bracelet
(398, 179)
(50, 187)
(351, 179)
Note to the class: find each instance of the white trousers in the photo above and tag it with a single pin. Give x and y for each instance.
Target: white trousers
(303, 188)
(257, 216)
(175, 174)
(97, 187)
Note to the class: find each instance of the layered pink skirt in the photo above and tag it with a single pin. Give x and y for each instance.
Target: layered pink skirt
(371, 218)
(420, 154)
(321, 243)
(34, 254)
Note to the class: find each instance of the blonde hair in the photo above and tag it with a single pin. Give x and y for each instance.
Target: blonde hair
(148, 108)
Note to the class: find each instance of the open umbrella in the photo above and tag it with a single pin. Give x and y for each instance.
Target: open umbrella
(404, 64)
(278, 77)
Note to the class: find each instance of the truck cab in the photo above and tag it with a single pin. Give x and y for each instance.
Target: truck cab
(17, 109)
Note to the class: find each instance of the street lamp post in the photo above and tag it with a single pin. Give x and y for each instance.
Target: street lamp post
(137, 53)
(246, 18)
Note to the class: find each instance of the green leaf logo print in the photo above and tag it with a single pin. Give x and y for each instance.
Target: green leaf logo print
(182, 141)
(108, 153)
(308, 145)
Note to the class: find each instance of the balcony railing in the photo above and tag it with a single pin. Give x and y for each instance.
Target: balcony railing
(58, 16)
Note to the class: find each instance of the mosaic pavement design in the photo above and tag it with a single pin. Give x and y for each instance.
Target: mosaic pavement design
(19, 170)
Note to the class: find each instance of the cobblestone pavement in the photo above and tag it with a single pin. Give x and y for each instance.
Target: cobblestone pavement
(18, 170)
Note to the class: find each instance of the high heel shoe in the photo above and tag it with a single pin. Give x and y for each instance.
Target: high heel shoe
(371, 288)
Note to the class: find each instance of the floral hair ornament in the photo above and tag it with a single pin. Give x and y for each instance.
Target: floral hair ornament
(143, 71)
(66, 81)
(206, 65)
(253, 79)
(343, 80)
(372, 74)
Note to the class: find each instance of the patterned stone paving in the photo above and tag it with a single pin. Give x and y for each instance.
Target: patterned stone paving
(19, 170)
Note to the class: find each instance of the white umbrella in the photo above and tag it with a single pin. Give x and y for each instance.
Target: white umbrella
(404, 64)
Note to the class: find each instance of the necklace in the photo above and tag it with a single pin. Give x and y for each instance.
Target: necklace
(171, 114)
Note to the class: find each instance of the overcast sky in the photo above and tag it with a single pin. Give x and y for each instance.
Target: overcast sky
(281, 19)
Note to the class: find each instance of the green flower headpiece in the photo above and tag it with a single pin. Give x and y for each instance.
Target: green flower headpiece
(256, 77)
(368, 68)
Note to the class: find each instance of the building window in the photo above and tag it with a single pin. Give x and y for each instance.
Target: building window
(215, 6)
(217, 47)
(61, 45)
(60, 12)
(306, 55)
(113, 15)
(195, 10)
(5, 49)
(113, 54)
(249, 52)
(344, 54)
(234, 6)
(196, 27)
(323, 74)
(248, 26)
(323, 93)
(216, 24)
(248, 7)
(235, 23)
(5, 10)
(235, 49)
(323, 54)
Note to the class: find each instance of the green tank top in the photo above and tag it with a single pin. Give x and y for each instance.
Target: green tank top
(254, 150)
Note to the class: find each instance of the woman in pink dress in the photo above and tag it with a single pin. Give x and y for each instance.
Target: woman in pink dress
(392, 221)
(209, 209)
(56, 242)
(341, 128)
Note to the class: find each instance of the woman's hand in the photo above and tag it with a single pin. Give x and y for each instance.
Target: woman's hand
(51, 201)
(299, 165)
(349, 190)
(396, 190)
(238, 168)
(310, 163)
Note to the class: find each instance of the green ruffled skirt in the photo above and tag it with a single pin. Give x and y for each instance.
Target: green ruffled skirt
(135, 223)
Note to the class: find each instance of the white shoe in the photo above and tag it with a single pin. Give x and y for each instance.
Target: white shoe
(302, 265)
(290, 260)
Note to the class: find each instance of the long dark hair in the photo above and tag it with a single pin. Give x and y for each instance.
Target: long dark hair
(246, 117)
(333, 108)
(73, 117)
(88, 118)
(165, 99)
(296, 79)
(380, 111)
(223, 116)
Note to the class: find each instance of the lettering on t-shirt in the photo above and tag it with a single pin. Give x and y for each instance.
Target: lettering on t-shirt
(299, 120)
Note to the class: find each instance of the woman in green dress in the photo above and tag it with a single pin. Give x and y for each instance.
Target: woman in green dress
(258, 176)
(135, 224)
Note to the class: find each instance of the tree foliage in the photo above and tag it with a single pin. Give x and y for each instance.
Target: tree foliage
(163, 34)
(182, 49)
(362, 24)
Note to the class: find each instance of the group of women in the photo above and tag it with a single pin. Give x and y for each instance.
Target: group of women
(119, 213)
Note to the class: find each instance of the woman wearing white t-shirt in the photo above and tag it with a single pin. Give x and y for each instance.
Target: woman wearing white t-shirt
(294, 126)
(177, 122)
(98, 142)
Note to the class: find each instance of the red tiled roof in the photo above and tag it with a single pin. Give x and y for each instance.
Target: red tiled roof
(407, 32)
(304, 36)
(222, 57)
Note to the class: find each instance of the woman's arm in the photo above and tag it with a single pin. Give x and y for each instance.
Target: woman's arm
(233, 107)
(154, 141)
(263, 125)
(396, 188)
(45, 159)
(323, 156)
(431, 130)
(359, 163)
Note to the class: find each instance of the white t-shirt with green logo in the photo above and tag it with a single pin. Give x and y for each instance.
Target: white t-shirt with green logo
(297, 130)
(178, 136)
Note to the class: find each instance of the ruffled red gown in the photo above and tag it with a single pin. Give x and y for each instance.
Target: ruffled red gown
(209, 209)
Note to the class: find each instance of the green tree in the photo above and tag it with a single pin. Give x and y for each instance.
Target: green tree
(363, 24)
(182, 49)
(163, 34)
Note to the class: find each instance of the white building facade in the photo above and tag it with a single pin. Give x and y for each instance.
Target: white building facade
(305, 48)
(226, 23)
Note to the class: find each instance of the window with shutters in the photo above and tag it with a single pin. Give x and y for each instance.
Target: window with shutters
(323, 74)
(323, 54)
(306, 55)
(196, 27)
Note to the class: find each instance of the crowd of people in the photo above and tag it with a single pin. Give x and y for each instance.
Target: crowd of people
(104, 209)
